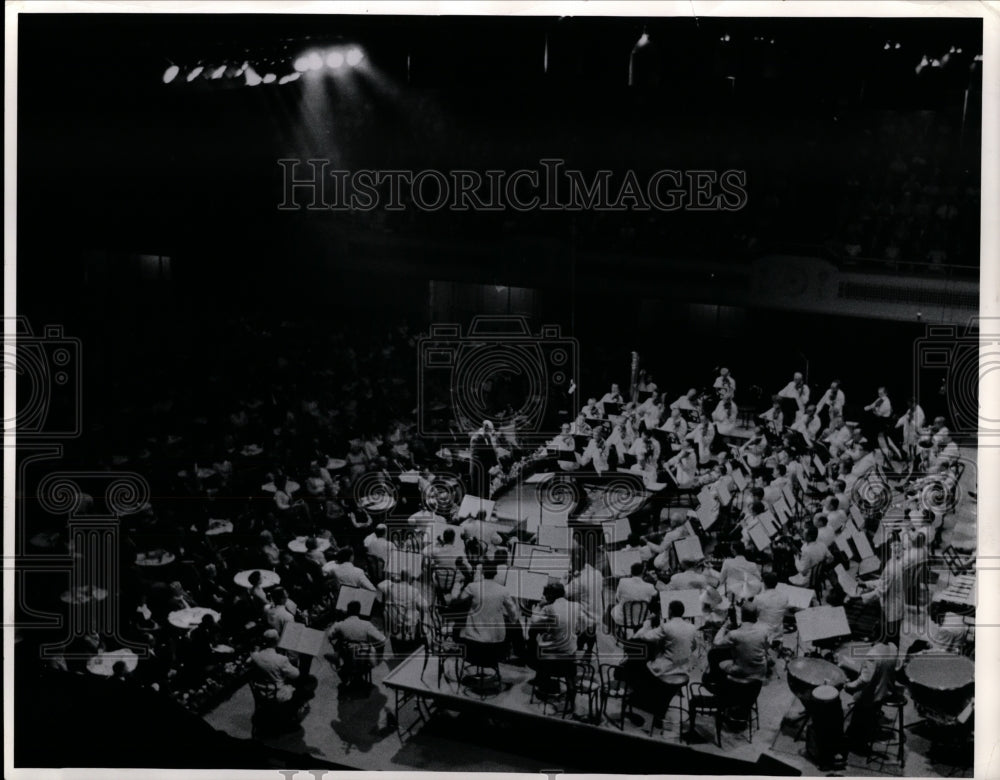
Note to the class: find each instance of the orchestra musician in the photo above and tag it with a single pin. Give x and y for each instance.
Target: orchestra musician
(676, 426)
(596, 452)
(774, 417)
(725, 384)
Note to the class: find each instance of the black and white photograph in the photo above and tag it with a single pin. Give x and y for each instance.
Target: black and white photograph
(572, 388)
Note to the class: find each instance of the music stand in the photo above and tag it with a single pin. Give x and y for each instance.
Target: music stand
(611, 408)
(402, 560)
(689, 549)
(555, 537)
(472, 506)
(553, 561)
(798, 598)
(525, 585)
(620, 562)
(299, 638)
(521, 554)
(818, 623)
(740, 479)
(349, 593)
(689, 597)
(620, 530)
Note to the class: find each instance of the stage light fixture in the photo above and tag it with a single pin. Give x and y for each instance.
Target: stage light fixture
(354, 56)
(195, 73)
(301, 64)
(314, 60)
(170, 74)
(218, 72)
(269, 78)
(288, 78)
(335, 59)
(253, 78)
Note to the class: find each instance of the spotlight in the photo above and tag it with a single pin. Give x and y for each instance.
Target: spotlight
(269, 78)
(301, 64)
(289, 78)
(643, 40)
(314, 61)
(335, 59)
(218, 72)
(195, 72)
(253, 79)
(354, 56)
(898, 45)
(170, 74)
(886, 47)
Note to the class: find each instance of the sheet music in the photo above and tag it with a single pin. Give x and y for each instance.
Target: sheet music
(620, 561)
(349, 593)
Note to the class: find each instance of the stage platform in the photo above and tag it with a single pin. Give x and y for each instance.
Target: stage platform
(418, 695)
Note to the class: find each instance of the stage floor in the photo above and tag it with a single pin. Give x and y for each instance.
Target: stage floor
(353, 731)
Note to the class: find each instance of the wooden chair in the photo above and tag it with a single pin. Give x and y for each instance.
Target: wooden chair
(353, 663)
(270, 714)
(701, 701)
(443, 579)
(586, 684)
(611, 687)
(633, 616)
(439, 644)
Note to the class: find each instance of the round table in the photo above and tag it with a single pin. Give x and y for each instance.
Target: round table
(805, 674)
(103, 663)
(155, 558)
(189, 618)
(378, 503)
(219, 527)
(298, 544)
(291, 486)
(83, 594)
(267, 578)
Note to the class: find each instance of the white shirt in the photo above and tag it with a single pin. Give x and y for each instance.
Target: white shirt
(683, 403)
(677, 426)
(596, 453)
(800, 394)
(587, 589)
(881, 406)
(911, 423)
(834, 400)
(725, 420)
(378, 547)
(807, 426)
(348, 574)
(721, 384)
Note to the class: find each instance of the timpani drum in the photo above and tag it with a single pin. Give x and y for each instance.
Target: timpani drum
(941, 684)
(807, 674)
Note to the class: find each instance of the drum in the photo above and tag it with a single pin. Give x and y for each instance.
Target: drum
(824, 739)
(941, 684)
(805, 674)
